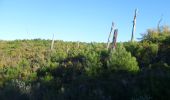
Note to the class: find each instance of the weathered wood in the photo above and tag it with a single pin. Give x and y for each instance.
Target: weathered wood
(67, 49)
(158, 25)
(108, 42)
(114, 39)
(52, 43)
(78, 44)
(134, 26)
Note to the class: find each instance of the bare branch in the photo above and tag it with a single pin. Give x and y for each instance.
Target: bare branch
(134, 25)
(108, 42)
(52, 43)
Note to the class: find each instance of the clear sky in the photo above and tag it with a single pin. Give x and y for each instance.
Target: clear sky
(78, 20)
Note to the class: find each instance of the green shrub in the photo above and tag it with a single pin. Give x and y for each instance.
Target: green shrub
(120, 59)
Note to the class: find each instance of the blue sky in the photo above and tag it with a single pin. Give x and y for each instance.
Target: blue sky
(78, 20)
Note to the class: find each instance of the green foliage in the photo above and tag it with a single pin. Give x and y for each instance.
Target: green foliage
(15, 90)
(145, 53)
(120, 59)
(93, 64)
(156, 36)
(29, 70)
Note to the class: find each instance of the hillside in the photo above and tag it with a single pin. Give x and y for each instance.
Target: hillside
(30, 70)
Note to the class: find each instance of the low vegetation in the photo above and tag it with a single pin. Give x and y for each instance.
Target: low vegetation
(30, 70)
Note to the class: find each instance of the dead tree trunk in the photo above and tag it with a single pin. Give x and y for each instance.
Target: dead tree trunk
(78, 44)
(134, 26)
(67, 51)
(114, 39)
(158, 25)
(52, 43)
(108, 42)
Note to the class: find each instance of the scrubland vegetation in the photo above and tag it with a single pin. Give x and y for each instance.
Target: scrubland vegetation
(30, 70)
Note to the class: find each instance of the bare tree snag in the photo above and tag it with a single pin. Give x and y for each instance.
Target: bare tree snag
(67, 50)
(114, 39)
(52, 43)
(78, 44)
(134, 26)
(158, 25)
(108, 42)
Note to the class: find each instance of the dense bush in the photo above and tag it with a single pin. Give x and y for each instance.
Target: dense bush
(120, 59)
(29, 70)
